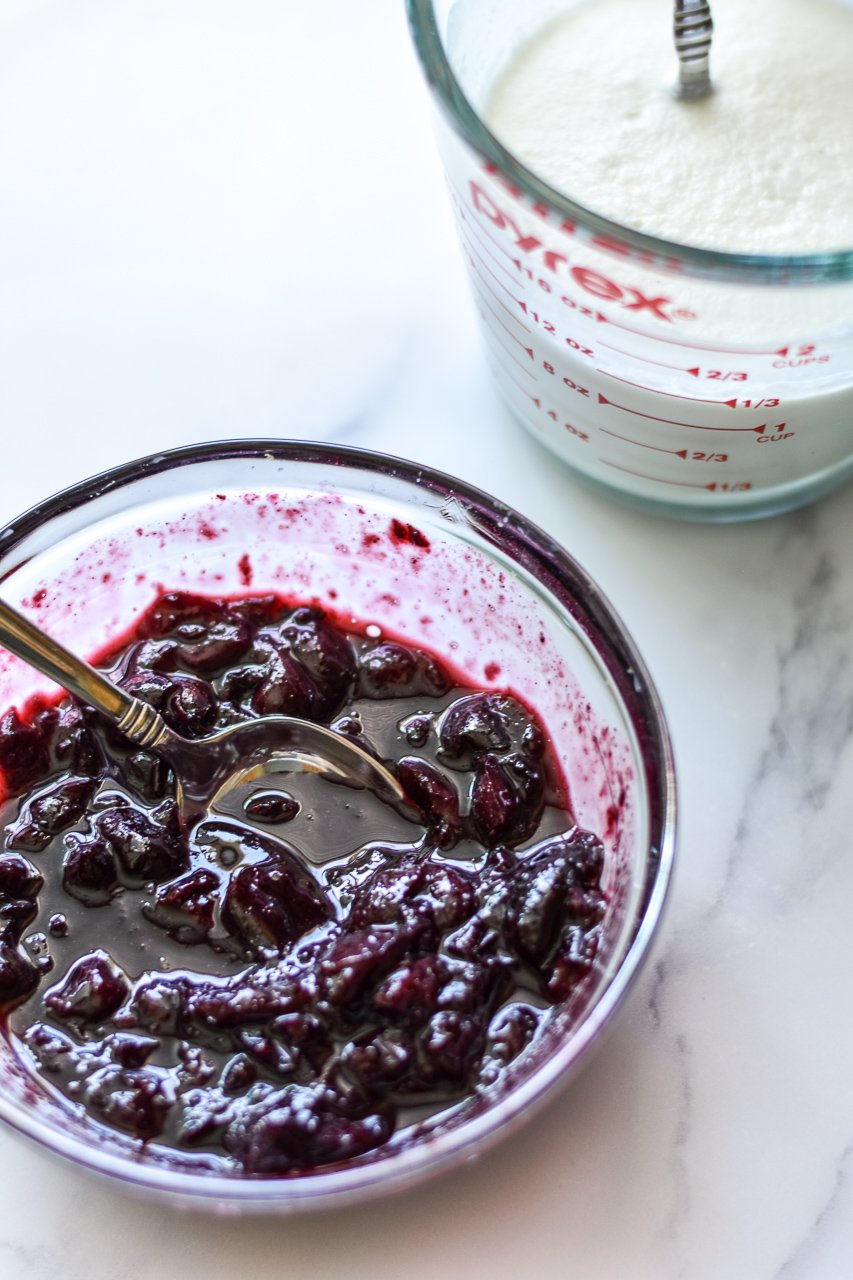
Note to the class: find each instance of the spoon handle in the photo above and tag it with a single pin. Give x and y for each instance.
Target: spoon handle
(21, 637)
(693, 28)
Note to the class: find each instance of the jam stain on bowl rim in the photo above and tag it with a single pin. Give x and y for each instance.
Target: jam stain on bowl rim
(488, 589)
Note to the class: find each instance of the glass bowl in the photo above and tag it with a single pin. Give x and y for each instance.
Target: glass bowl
(478, 584)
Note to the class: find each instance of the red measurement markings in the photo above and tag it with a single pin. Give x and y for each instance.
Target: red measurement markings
(485, 316)
(477, 264)
(484, 295)
(678, 453)
(469, 240)
(674, 395)
(575, 432)
(513, 393)
(772, 403)
(506, 328)
(550, 329)
(719, 375)
(588, 313)
(635, 355)
(480, 268)
(627, 297)
(555, 417)
(642, 475)
(697, 346)
(674, 422)
(742, 486)
(567, 382)
(686, 455)
(499, 371)
(595, 283)
(473, 233)
(477, 229)
(712, 375)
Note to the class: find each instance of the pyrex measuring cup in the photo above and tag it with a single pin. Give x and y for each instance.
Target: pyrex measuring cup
(694, 382)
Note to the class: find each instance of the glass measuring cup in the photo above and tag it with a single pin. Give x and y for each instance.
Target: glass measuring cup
(693, 382)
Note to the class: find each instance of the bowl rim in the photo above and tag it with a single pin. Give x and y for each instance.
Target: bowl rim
(564, 579)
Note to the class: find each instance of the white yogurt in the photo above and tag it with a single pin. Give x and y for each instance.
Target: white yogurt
(764, 165)
(703, 391)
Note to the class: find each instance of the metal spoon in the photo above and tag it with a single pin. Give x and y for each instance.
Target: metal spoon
(204, 768)
(693, 28)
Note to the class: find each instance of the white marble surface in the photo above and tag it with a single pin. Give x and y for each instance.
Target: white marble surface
(221, 219)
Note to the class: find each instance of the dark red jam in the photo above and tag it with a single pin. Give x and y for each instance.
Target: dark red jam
(291, 983)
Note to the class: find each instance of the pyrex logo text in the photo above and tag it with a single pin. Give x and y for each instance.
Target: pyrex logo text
(590, 281)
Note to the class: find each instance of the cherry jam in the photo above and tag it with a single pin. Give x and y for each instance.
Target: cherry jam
(286, 984)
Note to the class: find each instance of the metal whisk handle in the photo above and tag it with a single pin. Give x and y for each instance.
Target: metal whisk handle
(693, 28)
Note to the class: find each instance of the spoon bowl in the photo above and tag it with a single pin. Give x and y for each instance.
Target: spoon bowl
(206, 769)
